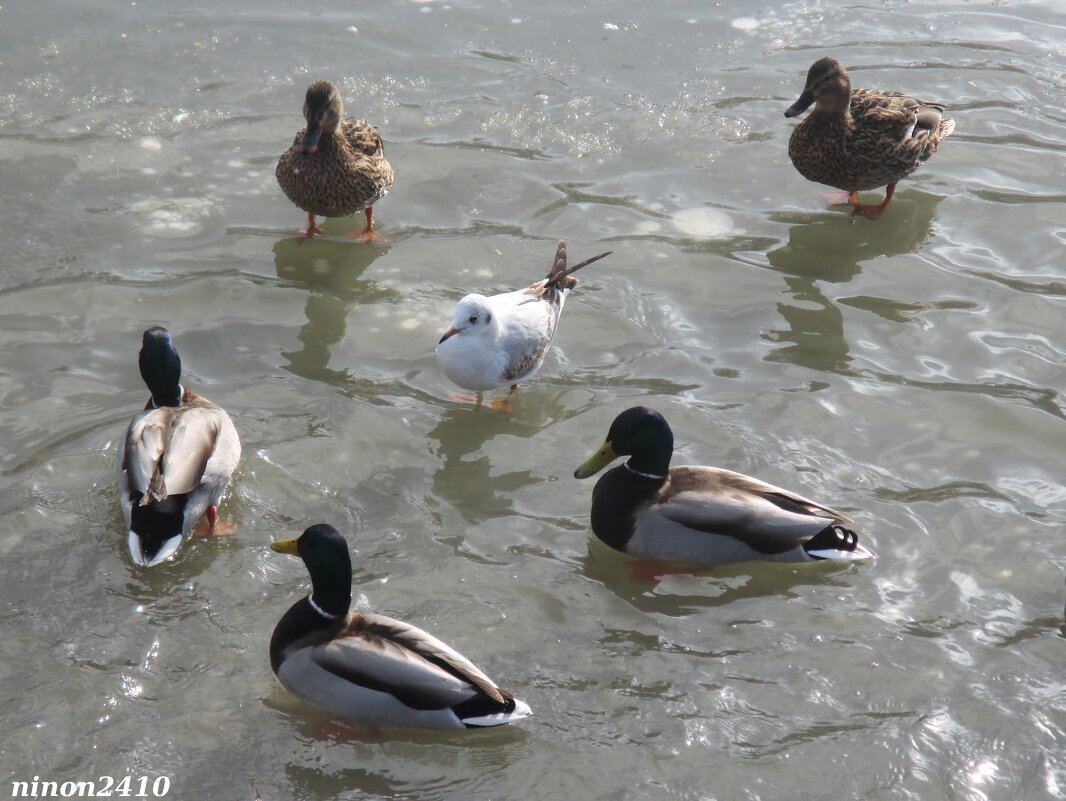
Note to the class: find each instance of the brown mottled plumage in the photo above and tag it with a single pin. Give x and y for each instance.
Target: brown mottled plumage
(857, 139)
(335, 167)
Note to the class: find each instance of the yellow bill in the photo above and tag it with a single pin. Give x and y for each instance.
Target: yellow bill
(595, 463)
(285, 546)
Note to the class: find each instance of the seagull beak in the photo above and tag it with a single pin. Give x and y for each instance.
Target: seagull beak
(285, 546)
(599, 460)
(800, 105)
(448, 334)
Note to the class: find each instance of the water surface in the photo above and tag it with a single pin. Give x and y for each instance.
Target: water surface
(907, 371)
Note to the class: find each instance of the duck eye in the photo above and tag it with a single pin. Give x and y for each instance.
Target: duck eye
(473, 319)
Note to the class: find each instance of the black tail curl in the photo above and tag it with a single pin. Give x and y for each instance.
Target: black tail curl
(835, 537)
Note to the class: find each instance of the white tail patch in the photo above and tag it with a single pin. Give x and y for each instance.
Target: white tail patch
(170, 547)
(521, 710)
(860, 554)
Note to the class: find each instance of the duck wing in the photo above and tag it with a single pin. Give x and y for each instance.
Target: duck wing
(722, 502)
(167, 450)
(909, 123)
(363, 137)
(391, 656)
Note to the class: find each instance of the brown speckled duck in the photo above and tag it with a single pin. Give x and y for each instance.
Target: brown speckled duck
(335, 167)
(858, 139)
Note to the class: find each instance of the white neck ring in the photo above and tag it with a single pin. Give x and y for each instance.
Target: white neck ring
(320, 610)
(642, 474)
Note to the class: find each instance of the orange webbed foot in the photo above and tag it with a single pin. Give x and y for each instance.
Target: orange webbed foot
(221, 529)
(465, 397)
(841, 198)
(210, 526)
(311, 229)
(501, 405)
(873, 211)
(368, 234)
(477, 399)
(653, 569)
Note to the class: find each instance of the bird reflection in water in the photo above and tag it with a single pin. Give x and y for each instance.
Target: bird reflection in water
(678, 590)
(332, 273)
(466, 479)
(828, 248)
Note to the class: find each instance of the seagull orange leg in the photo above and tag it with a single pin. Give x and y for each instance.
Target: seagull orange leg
(368, 234)
(501, 405)
(465, 397)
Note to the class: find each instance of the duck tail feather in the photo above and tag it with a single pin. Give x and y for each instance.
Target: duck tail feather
(836, 542)
(157, 486)
(513, 711)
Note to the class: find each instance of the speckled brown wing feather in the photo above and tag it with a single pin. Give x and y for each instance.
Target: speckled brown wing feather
(363, 137)
(916, 126)
(886, 137)
(517, 369)
(346, 174)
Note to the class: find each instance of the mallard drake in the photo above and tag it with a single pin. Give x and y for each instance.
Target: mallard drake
(702, 515)
(372, 669)
(335, 167)
(858, 139)
(175, 458)
(502, 339)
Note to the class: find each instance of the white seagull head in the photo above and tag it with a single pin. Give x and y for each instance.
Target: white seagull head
(473, 318)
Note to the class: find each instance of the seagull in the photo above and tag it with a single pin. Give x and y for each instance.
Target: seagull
(502, 339)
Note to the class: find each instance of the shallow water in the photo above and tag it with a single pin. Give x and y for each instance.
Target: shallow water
(907, 371)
